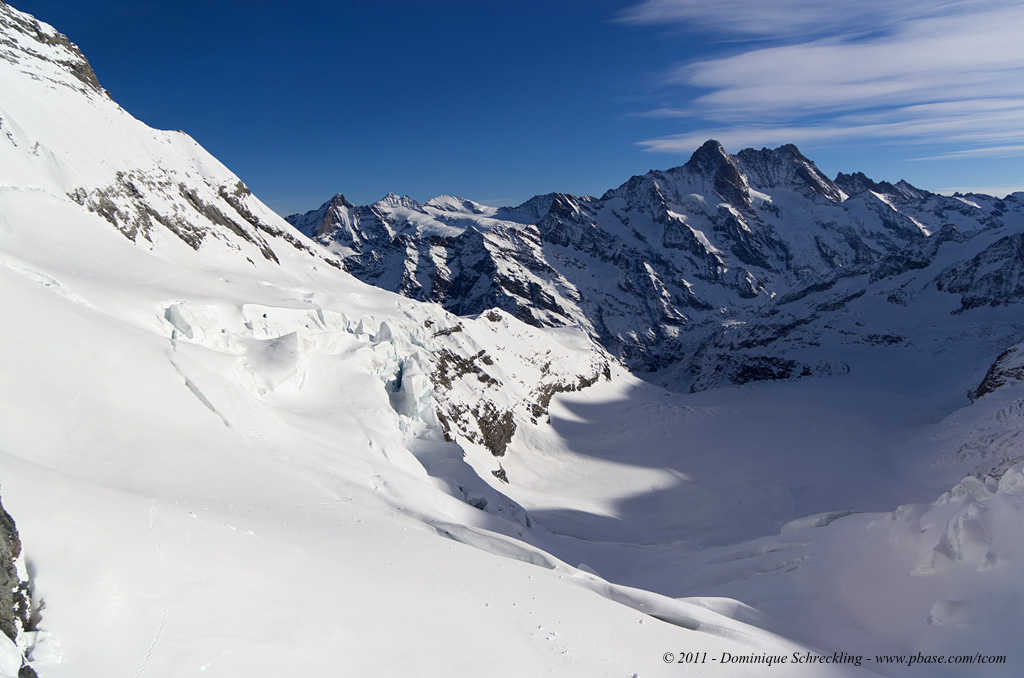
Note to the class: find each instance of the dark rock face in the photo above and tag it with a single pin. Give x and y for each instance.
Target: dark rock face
(482, 423)
(995, 277)
(71, 58)
(220, 214)
(1008, 367)
(999, 373)
(711, 162)
(15, 602)
(13, 599)
(786, 166)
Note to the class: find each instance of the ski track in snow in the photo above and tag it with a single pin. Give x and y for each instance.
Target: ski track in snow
(152, 645)
(163, 617)
(44, 280)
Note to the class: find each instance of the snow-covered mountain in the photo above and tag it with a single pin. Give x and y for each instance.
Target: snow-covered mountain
(227, 455)
(697, 269)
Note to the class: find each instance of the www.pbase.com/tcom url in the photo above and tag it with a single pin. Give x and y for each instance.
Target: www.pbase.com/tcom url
(804, 658)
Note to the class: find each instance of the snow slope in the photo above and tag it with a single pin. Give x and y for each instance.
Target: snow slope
(228, 456)
(223, 453)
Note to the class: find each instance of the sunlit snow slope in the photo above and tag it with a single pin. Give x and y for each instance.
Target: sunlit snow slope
(223, 453)
(227, 456)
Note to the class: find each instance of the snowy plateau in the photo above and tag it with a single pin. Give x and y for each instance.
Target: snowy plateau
(727, 413)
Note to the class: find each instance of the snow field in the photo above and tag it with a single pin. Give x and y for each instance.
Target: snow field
(229, 463)
(249, 501)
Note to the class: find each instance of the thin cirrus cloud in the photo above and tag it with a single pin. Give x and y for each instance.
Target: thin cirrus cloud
(919, 71)
(782, 18)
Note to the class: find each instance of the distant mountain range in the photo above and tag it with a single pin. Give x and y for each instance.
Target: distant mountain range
(705, 274)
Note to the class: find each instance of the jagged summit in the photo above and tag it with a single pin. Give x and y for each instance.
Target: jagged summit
(535, 207)
(325, 220)
(708, 158)
(393, 200)
(787, 167)
(340, 200)
(713, 164)
(858, 183)
(731, 177)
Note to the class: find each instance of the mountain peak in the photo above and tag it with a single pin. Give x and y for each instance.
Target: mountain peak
(339, 200)
(564, 205)
(50, 46)
(392, 200)
(451, 203)
(711, 162)
(909, 190)
(325, 220)
(711, 154)
(858, 182)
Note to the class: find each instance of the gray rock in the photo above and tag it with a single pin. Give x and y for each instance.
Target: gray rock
(15, 601)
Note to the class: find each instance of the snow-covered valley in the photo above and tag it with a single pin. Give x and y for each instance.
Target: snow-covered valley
(226, 455)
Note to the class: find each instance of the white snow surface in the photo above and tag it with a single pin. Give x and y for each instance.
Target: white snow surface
(226, 463)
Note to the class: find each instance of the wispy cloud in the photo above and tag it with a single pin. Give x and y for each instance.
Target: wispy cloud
(987, 127)
(780, 18)
(1013, 151)
(919, 71)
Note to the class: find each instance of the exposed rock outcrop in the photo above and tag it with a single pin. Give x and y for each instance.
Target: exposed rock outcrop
(15, 599)
(1007, 367)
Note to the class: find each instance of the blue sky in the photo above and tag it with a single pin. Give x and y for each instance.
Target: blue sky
(498, 101)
